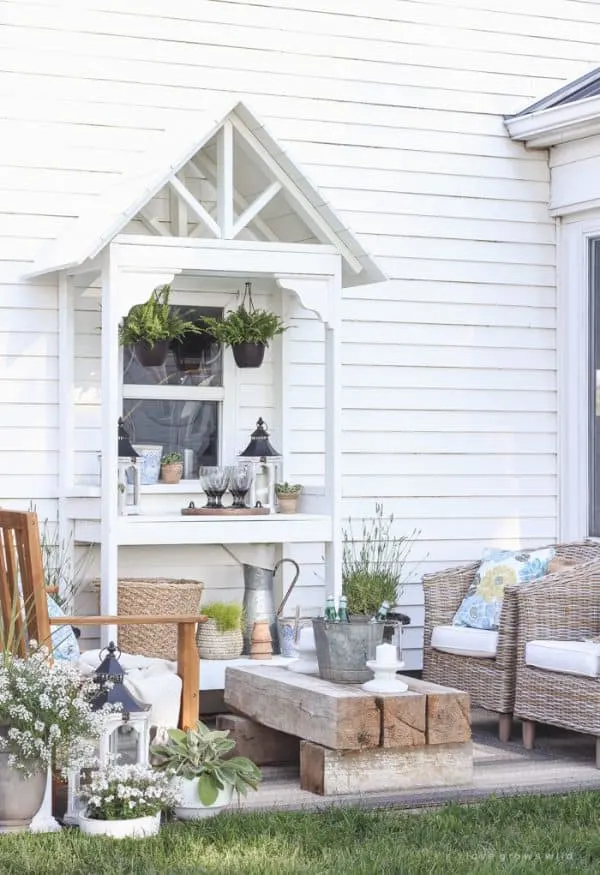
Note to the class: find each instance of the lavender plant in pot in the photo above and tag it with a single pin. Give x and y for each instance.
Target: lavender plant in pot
(200, 761)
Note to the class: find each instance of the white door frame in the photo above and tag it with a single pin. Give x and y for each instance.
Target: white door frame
(573, 371)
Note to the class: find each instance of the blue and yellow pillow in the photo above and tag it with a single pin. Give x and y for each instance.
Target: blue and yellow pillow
(481, 606)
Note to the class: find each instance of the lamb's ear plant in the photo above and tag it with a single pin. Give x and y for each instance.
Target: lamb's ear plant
(203, 753)
(288, 488)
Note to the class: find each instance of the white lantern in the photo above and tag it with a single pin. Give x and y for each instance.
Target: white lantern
(266, 462)
(132, 716)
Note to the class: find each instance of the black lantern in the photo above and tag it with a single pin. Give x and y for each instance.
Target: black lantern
(126, 451)
(266, 467)
(110, 676)
(260, 447)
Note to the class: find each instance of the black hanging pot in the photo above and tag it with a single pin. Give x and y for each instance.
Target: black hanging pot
(248, 355)
(151, 356)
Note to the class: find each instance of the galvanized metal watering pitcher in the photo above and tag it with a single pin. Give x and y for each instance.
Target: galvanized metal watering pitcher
(259, 602)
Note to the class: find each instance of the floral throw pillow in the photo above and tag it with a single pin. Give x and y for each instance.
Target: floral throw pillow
(481, 606)
(64, 642)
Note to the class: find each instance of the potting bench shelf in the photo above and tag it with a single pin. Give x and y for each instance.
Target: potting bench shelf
(352, 741)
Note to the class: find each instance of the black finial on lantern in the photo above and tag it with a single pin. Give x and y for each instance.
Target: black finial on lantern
(126, 451)
(109, 676)
(260, 447)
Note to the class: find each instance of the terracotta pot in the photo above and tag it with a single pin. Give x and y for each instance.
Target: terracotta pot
(171, 473)
(135, 828)
(248, 355)
(151, 356)
(261, 643)
(287, 503)
(20, 797)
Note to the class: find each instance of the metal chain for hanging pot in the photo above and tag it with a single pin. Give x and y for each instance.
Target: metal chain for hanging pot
(249, 307)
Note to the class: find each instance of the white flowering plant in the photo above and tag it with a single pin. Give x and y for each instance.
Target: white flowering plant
(122, 792)
(46, 714)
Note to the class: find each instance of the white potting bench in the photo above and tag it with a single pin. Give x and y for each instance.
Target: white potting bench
(124, 247)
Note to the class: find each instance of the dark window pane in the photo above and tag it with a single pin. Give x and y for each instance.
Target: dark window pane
(594, 383)
(196, 360)
(177, 426)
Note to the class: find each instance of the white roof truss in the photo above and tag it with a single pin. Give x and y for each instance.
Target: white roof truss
(226, 178)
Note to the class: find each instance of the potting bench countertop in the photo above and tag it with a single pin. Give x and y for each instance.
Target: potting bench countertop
(349, 740)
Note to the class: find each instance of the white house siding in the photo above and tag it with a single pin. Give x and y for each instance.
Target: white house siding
(449, 368)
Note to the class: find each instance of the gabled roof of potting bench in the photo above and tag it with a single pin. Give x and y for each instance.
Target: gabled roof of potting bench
(273, 199)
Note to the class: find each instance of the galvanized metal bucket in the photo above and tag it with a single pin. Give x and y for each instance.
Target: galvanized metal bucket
(344, 648)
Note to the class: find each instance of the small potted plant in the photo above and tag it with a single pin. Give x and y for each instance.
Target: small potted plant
(125, 801)
(150, 328)
(220, 637)
(209, 775)
(287, 496)
(171, 468)
(246, 330)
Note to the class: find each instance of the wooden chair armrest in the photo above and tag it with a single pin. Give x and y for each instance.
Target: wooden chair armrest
(127, 620)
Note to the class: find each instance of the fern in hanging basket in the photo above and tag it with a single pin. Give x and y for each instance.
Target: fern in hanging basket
(154, 321)
(246, 324)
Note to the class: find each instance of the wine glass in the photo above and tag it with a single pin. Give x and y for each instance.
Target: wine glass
(239, 484)
(214, 481)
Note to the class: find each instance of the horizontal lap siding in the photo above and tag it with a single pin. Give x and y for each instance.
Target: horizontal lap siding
(395, 110)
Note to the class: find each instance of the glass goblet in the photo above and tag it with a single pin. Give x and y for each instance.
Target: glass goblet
(214, 481)
(239, 484)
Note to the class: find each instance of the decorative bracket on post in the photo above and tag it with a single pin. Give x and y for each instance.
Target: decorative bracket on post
(313, 292)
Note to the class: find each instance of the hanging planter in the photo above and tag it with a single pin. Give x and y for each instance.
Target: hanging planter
(246, 330)
(248, 355)
(151, 356)
(150, 327)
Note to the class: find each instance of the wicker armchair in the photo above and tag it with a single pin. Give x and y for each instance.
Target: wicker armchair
(489, 682)
(560, 607)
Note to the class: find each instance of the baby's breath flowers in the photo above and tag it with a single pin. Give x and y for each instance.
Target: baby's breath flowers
(46, 716)
(124, 792)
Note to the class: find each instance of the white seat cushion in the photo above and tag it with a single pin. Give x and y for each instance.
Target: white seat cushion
(464, 641)
(569, 657)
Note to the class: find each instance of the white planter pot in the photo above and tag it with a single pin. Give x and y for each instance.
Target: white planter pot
(190, 807)
(137, 827)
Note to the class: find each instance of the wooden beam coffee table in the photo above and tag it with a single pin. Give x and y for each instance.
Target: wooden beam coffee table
(348, 740)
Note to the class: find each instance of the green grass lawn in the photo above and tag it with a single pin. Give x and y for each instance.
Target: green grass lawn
(552, 835)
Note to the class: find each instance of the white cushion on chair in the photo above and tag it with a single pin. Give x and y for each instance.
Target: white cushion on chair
(569, 657)
(465, 641)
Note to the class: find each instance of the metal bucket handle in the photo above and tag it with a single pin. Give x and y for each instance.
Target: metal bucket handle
(292, 584)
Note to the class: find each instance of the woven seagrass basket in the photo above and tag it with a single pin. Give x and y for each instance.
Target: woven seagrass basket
(213, 644)
(156, 596)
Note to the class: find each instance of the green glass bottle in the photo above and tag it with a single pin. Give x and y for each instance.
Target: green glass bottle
(343, 611)
(330, 611)
(382, 612)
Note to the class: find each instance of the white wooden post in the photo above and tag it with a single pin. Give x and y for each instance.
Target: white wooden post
(333, 438)
(110, 380)
(66, 428)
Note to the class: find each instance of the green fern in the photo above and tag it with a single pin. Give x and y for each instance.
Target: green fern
(244, 326)
(153, 321)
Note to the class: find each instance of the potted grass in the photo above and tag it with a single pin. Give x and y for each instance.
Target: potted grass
(207, 776)
(150, 327)
(247, 330)
(220, 637)
(287, 496)
(125, 801)
(171, 468)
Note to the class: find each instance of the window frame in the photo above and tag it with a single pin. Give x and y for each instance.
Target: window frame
(224, 395)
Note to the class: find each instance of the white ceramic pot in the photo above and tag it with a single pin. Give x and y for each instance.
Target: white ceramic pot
(190, 807)
(136, 827)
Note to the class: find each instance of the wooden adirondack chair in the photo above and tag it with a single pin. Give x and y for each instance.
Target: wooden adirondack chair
(21, 555)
